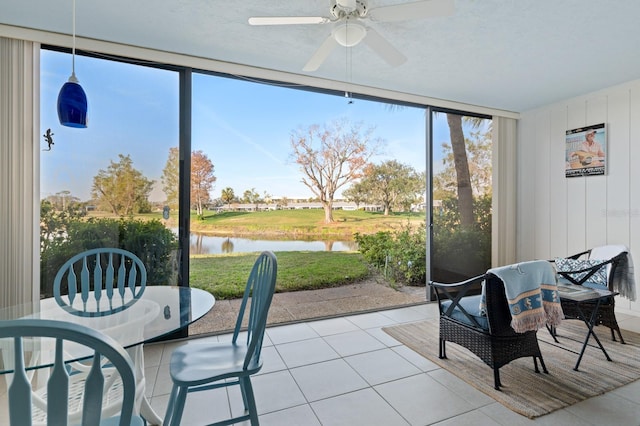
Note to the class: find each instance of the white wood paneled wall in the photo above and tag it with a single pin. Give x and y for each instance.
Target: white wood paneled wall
(559, 216)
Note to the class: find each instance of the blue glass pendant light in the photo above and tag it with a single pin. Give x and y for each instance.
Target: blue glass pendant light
(72, 101)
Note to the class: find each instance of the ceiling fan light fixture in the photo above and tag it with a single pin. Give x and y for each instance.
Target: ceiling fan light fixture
(348, 5)
(349, 34)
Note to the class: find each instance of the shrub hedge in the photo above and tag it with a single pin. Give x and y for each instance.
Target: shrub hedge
(151, 241)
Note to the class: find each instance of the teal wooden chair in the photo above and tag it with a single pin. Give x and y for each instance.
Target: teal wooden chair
(96, 283)
(198, 366)
(24, 331)
(99, 282)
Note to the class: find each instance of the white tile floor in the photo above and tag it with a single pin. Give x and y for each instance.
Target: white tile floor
(347, 371)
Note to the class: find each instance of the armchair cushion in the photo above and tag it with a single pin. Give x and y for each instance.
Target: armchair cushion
(594, 285)
(568, 265)
(471, 304)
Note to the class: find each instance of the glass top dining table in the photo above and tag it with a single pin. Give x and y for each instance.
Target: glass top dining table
(159, 311)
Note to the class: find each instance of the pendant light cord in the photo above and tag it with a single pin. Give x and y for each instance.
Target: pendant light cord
(72, 100)
(73, 49)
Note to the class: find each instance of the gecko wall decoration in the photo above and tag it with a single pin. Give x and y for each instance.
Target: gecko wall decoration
(48, 137)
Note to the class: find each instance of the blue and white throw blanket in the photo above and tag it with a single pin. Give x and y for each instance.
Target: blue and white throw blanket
(623, 279)
(532, 294)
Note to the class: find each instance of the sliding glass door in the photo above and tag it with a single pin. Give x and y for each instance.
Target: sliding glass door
(124, 180)
(461, 196)
(115, 183)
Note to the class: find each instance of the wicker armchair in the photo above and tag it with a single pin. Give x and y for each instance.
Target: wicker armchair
(489, 336)
(584, 275)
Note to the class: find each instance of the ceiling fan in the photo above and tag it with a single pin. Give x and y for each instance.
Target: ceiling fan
(349, 18)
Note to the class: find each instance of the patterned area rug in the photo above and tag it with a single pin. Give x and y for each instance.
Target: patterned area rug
(525, 391)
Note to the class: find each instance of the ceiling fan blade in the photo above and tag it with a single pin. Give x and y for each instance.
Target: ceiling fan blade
(383, 48)
(416, 10)
(288, 20)
(321, 54)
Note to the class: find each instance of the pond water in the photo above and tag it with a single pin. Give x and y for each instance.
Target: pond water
(206, 244)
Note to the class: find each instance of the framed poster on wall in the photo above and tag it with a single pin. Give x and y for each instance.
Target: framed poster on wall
(585, 151)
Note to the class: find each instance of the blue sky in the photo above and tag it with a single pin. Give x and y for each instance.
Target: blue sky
(242, 126)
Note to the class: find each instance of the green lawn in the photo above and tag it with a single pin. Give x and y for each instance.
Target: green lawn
(300, 222)
(288, 223)
(225, 275)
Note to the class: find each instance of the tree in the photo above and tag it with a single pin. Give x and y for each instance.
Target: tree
(268, 199)
(331, 157)
(121, 188)
(463, 178)
(227, 196)
(478, 148)
(202, 180)
(251, 196)
(392, 184)
(356, 193)
(451, 238)
(170, 178)
(55, 220)
(63, 199)
(480, 166)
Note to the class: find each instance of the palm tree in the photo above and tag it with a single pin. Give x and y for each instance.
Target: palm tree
(228, 196)
(463, 177)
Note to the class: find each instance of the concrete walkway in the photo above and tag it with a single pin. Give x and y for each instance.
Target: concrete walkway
(365, 296)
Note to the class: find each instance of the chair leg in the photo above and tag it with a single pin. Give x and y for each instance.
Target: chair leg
(544, 367)
(178, 406)
(613, 336)
(442, 350)
(552, 332)
(170, 406)
(244, 395)
(250, 400)
(496, 378)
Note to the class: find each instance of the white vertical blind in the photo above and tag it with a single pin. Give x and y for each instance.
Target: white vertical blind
(503, 226)
(19, 171)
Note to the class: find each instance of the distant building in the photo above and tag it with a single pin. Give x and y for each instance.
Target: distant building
(293, 204)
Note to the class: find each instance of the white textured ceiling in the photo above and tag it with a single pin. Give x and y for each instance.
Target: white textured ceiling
(513, 55)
